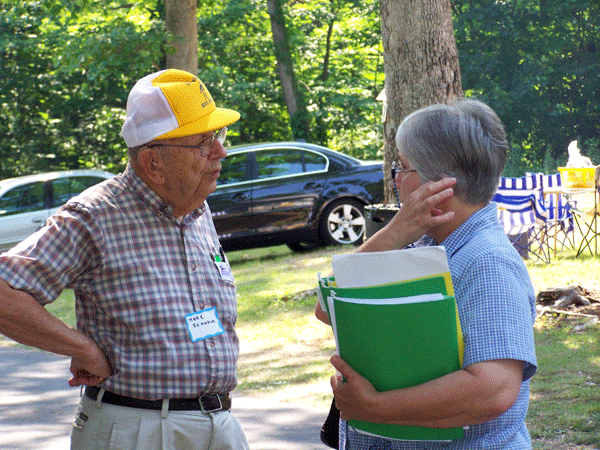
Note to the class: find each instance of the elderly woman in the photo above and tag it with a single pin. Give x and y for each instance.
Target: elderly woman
(451, 159)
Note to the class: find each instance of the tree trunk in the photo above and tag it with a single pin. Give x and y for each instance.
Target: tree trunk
(293, 98)
(421, 65)
(181, 24)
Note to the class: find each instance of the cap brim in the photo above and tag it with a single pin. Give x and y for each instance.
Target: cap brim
(219, 118)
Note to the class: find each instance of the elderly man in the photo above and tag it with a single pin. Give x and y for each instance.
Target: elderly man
(155, 343)
(451, 159)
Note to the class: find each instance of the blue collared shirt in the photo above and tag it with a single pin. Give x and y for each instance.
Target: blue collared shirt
(496, 303)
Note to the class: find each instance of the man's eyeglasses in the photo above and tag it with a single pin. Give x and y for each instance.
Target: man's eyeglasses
(205, 145)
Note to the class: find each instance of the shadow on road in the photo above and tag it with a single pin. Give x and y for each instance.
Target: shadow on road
(36, 404)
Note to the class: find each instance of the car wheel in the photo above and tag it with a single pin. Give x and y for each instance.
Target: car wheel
(343, 222)
(300, 247)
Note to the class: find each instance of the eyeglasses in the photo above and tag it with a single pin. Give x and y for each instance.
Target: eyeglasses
(205, 145)
(398, 168)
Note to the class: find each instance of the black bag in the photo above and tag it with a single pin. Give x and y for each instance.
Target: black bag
(330, 431)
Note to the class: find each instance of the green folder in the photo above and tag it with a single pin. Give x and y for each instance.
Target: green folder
(378, 334)
(400, 328)
(395, 345)
(441, 283)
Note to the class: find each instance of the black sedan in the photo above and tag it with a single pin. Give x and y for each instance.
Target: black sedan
(293, 193)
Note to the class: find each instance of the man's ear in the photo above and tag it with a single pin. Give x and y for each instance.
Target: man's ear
(153, 165)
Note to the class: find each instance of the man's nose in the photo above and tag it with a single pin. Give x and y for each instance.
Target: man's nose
(218, 150)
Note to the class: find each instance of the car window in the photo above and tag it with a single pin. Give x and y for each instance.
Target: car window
(278, 163)
(21, 199)
(233, 169)
(68, 187)
(314, 162)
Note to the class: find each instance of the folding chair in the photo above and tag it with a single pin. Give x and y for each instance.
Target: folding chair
(586, 215)
(530, 182)
(523, 215)
(560, 221)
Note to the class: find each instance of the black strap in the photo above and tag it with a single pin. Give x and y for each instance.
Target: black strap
(330, 430)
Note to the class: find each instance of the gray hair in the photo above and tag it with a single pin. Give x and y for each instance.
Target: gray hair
(465, 140)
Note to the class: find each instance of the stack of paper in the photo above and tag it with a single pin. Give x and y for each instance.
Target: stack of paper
(395, 322)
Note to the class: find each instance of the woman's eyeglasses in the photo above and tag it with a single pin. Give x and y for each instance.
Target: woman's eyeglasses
(397, 169)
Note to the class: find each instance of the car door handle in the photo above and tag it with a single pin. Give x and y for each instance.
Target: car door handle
(241, 196)
(39, 221)
(312, 185)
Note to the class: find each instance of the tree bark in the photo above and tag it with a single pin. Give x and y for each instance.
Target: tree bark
(421, 65)
(181, 23)
(293, 98)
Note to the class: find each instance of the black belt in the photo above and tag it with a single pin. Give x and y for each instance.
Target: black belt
(206, 403)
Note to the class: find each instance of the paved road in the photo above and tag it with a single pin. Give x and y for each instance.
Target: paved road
(37, 407)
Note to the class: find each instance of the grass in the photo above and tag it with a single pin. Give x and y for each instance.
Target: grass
(285, 351)
(565, 393)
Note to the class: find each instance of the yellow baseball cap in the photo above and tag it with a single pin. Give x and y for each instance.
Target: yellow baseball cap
(171, 103)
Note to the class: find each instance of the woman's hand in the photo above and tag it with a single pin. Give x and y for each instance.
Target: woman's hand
(355, 395)
(420, 212)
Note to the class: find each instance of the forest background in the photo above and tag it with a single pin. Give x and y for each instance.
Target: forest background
(66, 69)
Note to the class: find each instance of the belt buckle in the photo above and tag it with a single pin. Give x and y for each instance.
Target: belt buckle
(218, 408)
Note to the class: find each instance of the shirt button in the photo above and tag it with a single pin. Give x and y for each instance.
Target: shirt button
(213, 343)
(193, 266)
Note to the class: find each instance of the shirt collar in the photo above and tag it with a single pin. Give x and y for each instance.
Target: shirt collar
(483, 218)
(158, 206)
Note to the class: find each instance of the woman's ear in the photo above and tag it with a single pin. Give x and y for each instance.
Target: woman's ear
(153, 165)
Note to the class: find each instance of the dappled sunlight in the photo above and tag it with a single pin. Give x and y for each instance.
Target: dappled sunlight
(312, 262)
(308, 336)
(287, 359)
(572, 345)
(297, 373)
(565, 270)
(36, 405)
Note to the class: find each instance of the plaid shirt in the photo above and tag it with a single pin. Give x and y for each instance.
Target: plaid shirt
(496, 304)
(136, 272)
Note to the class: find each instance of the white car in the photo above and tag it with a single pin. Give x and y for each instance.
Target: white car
(27, 202)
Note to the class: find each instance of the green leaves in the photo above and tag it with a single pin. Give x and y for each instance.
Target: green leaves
(537, 67)
(67, 68)
(66, 74)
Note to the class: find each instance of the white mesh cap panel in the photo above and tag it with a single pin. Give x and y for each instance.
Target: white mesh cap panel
(149, 115)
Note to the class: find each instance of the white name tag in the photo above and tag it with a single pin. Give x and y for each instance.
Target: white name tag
(223, 266)
(204, 324)
(225, 271)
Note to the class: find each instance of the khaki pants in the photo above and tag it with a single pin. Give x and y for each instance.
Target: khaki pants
(101, 426)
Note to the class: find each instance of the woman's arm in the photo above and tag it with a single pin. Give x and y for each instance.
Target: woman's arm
(479, 393)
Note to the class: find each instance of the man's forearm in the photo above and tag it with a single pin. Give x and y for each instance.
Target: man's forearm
(24, 320)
